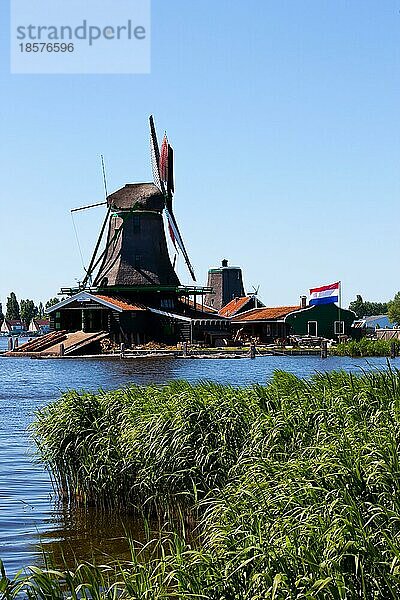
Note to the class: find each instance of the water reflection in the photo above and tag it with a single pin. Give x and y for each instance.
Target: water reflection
(79, 534)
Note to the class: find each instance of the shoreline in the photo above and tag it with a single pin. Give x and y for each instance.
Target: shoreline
(146, 354)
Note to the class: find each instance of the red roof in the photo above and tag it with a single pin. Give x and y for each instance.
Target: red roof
(266, 314)
(42, 321)
(120, 303)
(233, 306)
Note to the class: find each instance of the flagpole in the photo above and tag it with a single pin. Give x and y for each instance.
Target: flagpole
(340, 307)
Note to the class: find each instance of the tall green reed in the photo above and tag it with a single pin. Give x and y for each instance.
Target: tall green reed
(295, 485)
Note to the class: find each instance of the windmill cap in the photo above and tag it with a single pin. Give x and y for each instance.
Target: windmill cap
(137, 196)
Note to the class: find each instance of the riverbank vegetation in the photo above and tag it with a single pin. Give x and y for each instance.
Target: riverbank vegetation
(365, 347)
(293, 487)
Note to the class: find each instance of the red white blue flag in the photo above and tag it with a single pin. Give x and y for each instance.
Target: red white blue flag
(325, 294)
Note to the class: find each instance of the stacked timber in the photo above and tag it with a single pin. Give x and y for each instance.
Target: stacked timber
(40, 344)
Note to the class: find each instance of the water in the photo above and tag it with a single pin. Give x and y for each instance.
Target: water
(31, 519)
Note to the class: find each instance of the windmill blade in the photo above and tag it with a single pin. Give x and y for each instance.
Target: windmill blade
(163, 174)
(88, 206)
(155, 156)
(170, 180)
(178, 241)
(167, 171)
(89, 270)
(164, 160)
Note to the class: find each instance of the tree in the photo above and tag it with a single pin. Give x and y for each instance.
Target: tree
(1, 313)
(367, 309)
(40, 310)
(52, 302)
(394, 309)
(28, 311)
(12, 311)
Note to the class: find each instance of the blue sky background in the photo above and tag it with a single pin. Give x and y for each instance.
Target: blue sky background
(284, 117)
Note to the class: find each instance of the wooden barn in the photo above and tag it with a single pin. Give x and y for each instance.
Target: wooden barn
(269, 324)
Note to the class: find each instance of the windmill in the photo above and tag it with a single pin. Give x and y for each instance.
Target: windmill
(136, 252)
(163, 176)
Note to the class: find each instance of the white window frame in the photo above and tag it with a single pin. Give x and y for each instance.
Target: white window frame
(316, 328)
(335, 328)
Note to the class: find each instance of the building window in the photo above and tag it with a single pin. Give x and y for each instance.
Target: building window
(167, 303)
(136, 223)
(339, 328)
(312, 328)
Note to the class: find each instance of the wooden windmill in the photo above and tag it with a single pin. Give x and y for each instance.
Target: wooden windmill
(136, 252)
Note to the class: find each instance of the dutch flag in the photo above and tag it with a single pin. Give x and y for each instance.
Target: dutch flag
(325, 294)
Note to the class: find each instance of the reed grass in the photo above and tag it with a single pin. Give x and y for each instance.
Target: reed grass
(365, 347)
(295, 486)
(156, 449)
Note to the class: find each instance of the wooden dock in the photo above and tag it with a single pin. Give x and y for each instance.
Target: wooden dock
(57, 344)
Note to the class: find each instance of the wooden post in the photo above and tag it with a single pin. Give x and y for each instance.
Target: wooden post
(122, 350)
(10, 344)
(185, 349)
(324, 349)
(61, 349)
(252, 350)
(16, 343)
(393, 350)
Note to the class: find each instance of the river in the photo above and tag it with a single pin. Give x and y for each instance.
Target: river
(31, 519)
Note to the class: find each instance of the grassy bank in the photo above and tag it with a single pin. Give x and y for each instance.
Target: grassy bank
(295, 486)
(365, 347)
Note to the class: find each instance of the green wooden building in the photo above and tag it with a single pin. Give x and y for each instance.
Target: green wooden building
(322, 320)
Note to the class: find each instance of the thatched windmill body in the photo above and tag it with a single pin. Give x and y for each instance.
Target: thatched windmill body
(136, 252)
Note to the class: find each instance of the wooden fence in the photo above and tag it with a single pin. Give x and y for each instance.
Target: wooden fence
(388, 334)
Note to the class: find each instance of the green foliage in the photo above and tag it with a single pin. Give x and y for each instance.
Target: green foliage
(28, 311)
(1, 313)
(367, 309)
(12, 310)
(365, 347)
(51, 302)
(296, 486)
(40, 310)
(394, 309)
(152, 449)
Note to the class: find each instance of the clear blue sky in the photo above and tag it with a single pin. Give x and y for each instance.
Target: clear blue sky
(284, 116)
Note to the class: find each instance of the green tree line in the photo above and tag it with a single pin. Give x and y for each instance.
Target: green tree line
(24, 310)
(366, 308)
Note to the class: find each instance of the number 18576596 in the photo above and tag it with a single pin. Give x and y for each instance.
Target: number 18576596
(46, 47)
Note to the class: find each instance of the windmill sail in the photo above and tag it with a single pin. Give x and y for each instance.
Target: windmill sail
(166, 171)
(178, 241)
(170, 180)
(164, 160)
(163, 176)
(155, 155)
